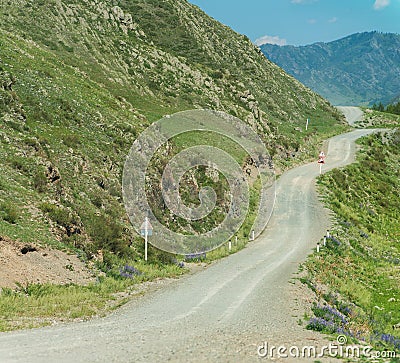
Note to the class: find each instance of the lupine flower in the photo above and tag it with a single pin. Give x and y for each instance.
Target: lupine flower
(329, 313)
(129, 272)
(195, 256)
(387, 338)
(335, 240)
(320, 324)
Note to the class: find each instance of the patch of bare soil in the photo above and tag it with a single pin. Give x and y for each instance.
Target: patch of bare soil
(30, 263)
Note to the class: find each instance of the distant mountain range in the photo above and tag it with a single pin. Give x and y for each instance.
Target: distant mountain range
(360, 69)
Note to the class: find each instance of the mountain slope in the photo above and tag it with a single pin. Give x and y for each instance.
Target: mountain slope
(81, 79)
(360, 69)
(169, 49)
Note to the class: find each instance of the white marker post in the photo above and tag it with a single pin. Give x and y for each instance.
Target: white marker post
(307, 124)
(318, 247)
(229, 245)
(145, 244)
(146, 230)
(252, 235)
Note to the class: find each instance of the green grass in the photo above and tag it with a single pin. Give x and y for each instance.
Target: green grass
(375, 119)
(359, 267)
(36, 305)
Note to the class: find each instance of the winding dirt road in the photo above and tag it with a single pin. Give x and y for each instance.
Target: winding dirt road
(352, 114)
(221, 314)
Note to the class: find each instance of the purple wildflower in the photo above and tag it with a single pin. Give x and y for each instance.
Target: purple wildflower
(129, 272)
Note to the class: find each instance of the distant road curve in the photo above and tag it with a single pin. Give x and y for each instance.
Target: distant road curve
(352, 113)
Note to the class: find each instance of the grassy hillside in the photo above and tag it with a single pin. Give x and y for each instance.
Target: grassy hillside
(356, 276)
(378, 119)
(82, 79)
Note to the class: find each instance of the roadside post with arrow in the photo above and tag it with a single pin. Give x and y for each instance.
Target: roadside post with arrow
(321, 160)
(146, 230)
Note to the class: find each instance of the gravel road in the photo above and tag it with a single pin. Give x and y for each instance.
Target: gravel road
(352, 114)
(221, 314)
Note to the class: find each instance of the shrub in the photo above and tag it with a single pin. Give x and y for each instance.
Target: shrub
(21, 164)
(71, 140)
(9, 212)
(59, 215)
(40, 181)
(106, 233)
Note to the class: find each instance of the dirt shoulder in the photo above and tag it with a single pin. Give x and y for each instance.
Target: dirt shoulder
(30, 263)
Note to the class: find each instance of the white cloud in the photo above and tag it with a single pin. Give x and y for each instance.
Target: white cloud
(312, 21)
(333, 20)
(380, 4)
(269, 39)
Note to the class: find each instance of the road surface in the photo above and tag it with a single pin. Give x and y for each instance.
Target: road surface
(352, 114)
(221, 314)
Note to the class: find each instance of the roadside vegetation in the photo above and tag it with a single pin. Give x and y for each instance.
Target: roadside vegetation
(378, 119)
(356, 276)
(36, 305)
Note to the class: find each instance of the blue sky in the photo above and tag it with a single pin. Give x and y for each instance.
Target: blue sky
(300, 22)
